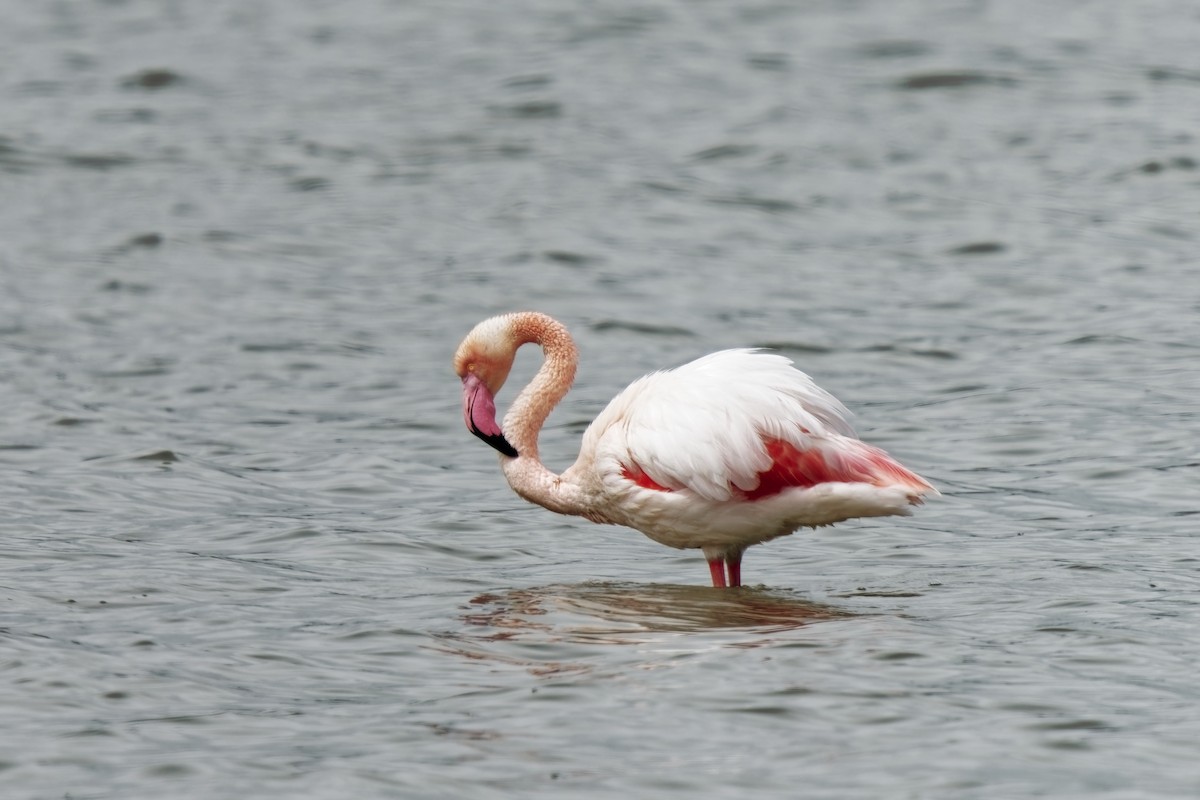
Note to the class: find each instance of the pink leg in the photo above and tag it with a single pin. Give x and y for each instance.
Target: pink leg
(716, 568)
(734, 563)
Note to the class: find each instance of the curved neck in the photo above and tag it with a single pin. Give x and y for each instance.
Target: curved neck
(553, 380)
(526, 473)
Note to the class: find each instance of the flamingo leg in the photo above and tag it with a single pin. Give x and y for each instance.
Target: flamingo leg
(716, 568)
(734, 565)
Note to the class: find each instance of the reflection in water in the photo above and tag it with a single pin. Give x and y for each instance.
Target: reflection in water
(615, 609)
(627, 614)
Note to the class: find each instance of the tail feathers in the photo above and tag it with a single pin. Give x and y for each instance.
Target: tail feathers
(883, 470)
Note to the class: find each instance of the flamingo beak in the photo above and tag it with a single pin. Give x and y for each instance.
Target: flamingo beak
(479, 412)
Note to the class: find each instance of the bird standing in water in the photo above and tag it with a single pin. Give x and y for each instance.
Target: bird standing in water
(727, 451)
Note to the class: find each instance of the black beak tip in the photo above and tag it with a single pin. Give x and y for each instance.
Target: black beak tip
(497, 441)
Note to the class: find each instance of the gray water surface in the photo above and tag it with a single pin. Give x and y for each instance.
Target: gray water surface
(250, 551)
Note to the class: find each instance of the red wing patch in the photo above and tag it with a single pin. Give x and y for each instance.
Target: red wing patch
(634, 473)
(847, 461)
(792, 467)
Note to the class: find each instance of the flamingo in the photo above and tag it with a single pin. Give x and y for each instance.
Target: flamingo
(730, 450)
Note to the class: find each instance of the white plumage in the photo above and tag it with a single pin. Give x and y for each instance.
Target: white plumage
(722, 453)
(701, 426)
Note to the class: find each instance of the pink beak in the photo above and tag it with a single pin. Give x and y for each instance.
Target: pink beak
(479, 412)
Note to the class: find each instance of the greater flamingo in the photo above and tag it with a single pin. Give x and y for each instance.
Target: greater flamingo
(727, 451)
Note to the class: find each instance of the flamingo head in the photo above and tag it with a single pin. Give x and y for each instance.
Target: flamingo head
(483, 361)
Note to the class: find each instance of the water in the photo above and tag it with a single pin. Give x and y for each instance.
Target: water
(250, 551)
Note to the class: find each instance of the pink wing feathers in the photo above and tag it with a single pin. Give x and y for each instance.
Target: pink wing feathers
(839, 460)
(737, 424)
